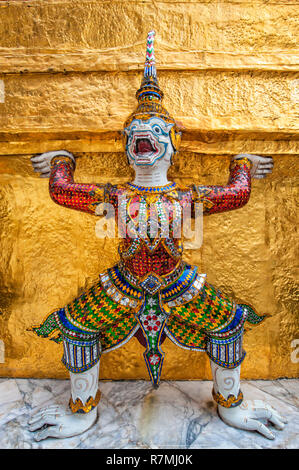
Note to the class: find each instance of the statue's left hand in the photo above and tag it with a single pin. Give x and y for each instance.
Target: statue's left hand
(247, 415)
(56, 421)
(261, 166)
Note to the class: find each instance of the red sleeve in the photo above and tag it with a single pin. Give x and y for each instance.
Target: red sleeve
(65, 192)
(226, 198)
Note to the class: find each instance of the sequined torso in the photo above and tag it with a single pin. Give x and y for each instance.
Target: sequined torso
(150, 221)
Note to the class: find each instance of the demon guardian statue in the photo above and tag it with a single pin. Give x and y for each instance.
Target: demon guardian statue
(151, 292)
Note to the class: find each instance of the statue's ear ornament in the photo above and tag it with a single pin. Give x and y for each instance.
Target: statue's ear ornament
(150, 96)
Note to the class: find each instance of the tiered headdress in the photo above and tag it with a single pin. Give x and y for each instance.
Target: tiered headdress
(150, 96)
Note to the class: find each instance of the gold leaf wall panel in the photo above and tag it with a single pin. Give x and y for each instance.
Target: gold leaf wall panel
(101, 101)
(69, 70)
(186, 25)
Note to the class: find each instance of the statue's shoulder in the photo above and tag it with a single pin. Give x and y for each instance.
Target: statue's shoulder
(109, 192)
(112, 188)
(182, 187)
(183, 190)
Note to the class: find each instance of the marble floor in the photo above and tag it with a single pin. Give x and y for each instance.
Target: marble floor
(132, 415)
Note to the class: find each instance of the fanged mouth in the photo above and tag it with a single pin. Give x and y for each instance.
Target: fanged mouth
(143, 147)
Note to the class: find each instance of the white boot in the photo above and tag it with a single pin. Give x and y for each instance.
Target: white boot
(81, 414)
(238, 413)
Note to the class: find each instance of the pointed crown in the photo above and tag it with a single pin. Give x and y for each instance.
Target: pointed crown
(150, 96)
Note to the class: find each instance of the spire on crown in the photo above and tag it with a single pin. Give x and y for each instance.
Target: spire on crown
(149, 89)
(150, 62)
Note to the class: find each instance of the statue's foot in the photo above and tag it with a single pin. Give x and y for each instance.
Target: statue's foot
(56, 421)
(247, 415)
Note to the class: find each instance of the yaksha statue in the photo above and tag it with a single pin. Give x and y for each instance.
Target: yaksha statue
(151, 292)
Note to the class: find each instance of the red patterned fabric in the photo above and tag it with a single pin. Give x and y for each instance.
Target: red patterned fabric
(234, 195)
(65, 192)
(144, 262)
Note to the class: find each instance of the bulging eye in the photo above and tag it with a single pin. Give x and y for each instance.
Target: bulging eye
(157, 130)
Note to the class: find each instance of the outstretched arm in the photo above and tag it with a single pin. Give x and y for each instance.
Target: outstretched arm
(237, 191)
(59, 166)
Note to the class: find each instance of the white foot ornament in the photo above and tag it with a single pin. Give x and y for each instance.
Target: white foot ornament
(246, 416)
(56, 421)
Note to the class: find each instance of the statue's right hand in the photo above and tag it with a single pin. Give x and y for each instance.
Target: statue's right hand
(42, 163)
(57, 421)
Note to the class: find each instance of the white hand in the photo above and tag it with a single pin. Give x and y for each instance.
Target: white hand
(246, 417)
(261, 166)
(42, 163)
(59, 422)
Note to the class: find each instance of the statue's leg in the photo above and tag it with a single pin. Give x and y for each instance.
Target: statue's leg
(225, 359)
(83, 361)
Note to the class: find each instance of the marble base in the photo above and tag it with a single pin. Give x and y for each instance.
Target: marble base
(132, 415)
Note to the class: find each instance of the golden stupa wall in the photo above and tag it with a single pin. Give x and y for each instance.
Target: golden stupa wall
(68, 75)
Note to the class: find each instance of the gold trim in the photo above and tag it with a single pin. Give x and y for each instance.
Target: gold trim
(90, 404)
(241, 161)
(230, 402)
(61, 158)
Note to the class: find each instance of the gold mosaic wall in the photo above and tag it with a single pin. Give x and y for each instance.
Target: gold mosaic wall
(68, 75)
